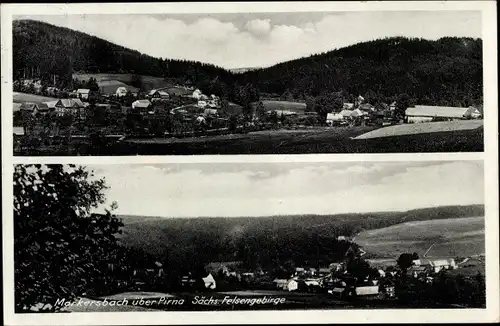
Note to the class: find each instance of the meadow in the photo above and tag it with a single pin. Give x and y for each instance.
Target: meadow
(270, 105)
(109, 80)
(307, 141)
(453, 237)
(25, 97)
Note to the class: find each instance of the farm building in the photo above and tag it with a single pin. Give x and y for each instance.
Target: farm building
(286, 285)
(345, 113)
(283, 112)
(426, 113)
(141, 106)
(417, 271)
(83, 93)
(34, 108)
(436, 265)
(156, 94)
(332, 118)
(210, 112)
(348, 106)
(71, 106)
(323, 271)
(366, 290)
(51, 104)
(224, 267)
(443, 264)
(358, 113)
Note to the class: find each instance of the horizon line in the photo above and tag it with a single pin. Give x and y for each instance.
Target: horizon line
(303, 214)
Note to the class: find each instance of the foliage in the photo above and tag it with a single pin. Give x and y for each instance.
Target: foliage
(60, 247)
(405, 261)
(430, 72)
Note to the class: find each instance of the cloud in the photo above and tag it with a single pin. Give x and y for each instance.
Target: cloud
(258, 41)
(259, 27)
(326, 188)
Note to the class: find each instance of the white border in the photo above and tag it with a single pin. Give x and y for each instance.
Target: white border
(491, 313)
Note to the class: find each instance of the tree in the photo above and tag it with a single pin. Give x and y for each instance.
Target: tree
(92, 84)
(405, 261)
(402, 103)
(60, 247)
(359, 268)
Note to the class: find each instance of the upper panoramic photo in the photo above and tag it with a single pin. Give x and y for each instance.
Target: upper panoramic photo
(248, 83)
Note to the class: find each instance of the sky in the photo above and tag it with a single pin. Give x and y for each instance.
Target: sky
(263, 39)
(263, 189)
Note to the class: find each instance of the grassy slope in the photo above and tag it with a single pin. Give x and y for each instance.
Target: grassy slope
(24, 97)
(284, 105)
(158, 235)
(149, 82)
(422, 128)
(451, 238)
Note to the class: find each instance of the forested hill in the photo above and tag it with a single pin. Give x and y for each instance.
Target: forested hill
(443, 72)
(44, 49)
(446, 71)
(301, 237)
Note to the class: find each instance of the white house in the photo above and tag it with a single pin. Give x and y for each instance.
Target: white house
(158, 95)
(348, 106)
(427, 113)
(141, 106)
(367, 290)
(202, 104)
(210, 112)
(286, 285)
(209, 282)
(83, 93)
(197, 94)
(332, 118)
(121, 91)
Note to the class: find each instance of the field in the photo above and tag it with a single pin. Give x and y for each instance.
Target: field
(148, 82)
(284, 105)
(307, 141)
(458, 237)
(24, 97)
(422, 128)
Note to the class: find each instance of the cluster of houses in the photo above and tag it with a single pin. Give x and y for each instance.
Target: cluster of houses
(334, 279)
(73, 106)
(360, 111)
(208, 105)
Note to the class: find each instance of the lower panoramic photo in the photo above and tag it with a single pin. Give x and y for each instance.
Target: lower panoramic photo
(249, 236)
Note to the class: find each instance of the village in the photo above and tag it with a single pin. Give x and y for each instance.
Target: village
(353, 279)
(121, 112)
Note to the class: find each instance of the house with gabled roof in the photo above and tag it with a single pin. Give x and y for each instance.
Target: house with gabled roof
(34, 108)
(156, 95)
(428, 113)
(72, 106)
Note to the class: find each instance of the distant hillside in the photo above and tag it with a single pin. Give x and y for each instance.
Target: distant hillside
(443, 72)
(44, 49)
(448, 71)
(262, 239)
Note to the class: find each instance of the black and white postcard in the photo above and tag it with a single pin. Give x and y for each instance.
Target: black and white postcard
(250, 163)
(248, 83)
